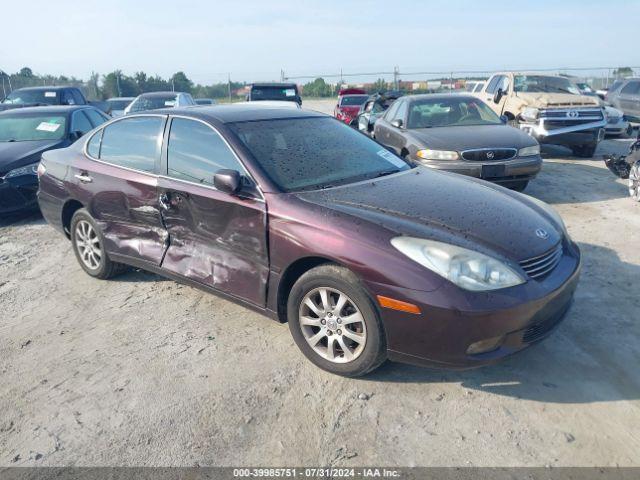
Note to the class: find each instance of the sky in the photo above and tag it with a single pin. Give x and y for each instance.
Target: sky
(253, 40)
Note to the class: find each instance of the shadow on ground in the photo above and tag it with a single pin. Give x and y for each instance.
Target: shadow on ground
(25, 218)
(591, 357)
(588, 183)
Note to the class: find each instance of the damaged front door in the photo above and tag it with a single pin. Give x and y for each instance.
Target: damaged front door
(215, 238)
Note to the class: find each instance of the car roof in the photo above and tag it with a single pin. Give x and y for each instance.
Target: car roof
(44, 88)
(159, 94)
(243, 112)
(273, 84)
(119, 98)
(439, 96)
(65, 109)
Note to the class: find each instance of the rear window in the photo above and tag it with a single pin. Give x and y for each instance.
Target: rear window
(153, 103)
(353, 100)
(273, 93)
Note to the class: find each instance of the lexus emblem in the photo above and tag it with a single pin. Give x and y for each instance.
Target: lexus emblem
(572, 114)
(540, 233)
(490, 155)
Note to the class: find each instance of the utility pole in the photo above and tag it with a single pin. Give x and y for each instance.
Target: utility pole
(282, 77)
(118, 84)
(229, 84)
(396, 74)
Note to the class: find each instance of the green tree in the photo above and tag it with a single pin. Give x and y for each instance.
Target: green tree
(180, 83)
(380, 85)
(317, 88)
(623, 72)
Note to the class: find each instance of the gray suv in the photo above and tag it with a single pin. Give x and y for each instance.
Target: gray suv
(626, 98)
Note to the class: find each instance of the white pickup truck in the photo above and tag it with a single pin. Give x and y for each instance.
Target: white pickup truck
(549, 108)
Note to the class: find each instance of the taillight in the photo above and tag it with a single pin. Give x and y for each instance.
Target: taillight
(41, 169)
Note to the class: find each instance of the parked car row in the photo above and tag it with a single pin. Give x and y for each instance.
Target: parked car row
(295, 215)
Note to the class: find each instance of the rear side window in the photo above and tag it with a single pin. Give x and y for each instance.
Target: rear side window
(195, 152)
(96, 117)
(132, 143)
(80, 123)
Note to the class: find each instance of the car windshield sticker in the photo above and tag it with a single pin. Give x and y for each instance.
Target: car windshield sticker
(169, 103)
(387, 155)
(50, 94)
(290, 92)
(48, 127)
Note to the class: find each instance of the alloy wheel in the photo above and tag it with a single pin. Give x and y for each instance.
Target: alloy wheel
(332, 325)
(88, 244)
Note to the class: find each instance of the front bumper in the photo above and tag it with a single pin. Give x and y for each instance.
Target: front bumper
(617, 128)
(452, 319)
(18, 194)
(580, 134)
(517, 169)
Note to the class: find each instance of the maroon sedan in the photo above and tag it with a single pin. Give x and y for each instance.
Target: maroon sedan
(307, 221)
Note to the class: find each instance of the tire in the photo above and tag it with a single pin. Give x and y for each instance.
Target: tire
(88, 245)
(518, 186)
(634, 182)
(585, 151)
(326, 326)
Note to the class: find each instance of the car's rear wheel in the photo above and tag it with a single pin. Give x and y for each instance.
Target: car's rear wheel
(634, 182)
(334, 322)
(88, 246)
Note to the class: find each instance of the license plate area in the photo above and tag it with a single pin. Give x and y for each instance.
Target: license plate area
(493, 171)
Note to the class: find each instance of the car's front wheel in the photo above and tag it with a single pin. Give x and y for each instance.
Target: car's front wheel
(88, 246)
(334, 322)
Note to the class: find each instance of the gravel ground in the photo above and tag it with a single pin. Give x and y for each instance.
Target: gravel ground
(144, 371)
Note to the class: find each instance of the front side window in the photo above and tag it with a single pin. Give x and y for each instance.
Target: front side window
(133, 143)
(401, 112)
(391, 113)
(95, 116)
(153, 102)
(18, 127)
(80, 123)
(312, 153)
(195, 152)
(631, 88)
(449, 112)
(493, 84)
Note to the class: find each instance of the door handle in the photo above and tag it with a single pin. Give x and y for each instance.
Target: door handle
(84, 177)
(164, 201)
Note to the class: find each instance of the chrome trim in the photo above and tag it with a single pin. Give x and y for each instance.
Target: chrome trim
(538, 129)
(515, 153)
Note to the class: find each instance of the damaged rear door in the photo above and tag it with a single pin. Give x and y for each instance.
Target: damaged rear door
(217, 239)
(119, 182)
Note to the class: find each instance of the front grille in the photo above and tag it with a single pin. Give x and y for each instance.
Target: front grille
(551, 124)
(539, 330)
(489, 154)
(593, 114)
(542, 265)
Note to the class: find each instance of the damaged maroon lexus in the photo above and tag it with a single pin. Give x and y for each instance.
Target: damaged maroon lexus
(301, 218)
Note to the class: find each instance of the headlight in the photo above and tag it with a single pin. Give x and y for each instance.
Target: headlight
(466, 268)
(26, 170)
(429, 154)
(530, 114)
(529, 151)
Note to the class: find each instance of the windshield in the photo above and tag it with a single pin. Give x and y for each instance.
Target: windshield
(153, 103)
(544, 84)
(273, 93)
(23, 128)
(311, 153)
(450, 112)
(118, 104)
(353, 100)
(46, 97)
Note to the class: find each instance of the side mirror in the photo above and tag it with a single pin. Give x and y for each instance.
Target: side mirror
(397, 123)
(504, 119)
(228, 181)
(498, 96)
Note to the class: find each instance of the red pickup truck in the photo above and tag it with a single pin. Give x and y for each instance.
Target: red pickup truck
(349, 102)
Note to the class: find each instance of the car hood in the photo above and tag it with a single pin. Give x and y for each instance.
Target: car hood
(16, 154)
(557, 100)
(447, 207)
(470, 137)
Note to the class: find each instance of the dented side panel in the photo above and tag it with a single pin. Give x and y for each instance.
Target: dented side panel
(217, 239)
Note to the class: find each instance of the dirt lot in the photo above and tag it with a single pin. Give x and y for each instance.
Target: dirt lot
(144, 371)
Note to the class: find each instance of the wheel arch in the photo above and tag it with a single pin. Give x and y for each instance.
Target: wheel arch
(291, 274)
(70, 207)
